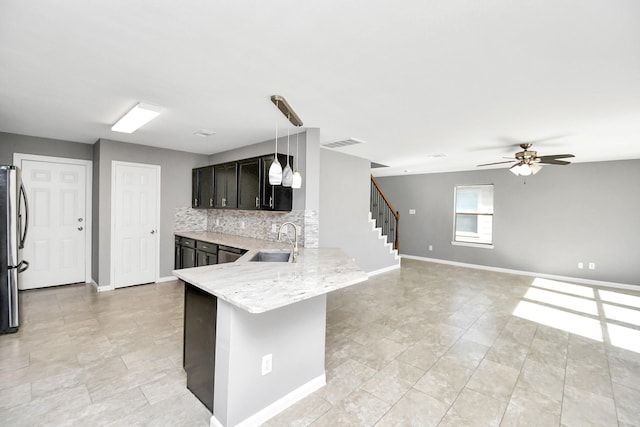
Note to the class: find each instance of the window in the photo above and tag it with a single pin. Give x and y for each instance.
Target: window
(473, 222)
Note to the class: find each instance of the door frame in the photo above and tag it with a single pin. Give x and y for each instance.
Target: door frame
(88, 164)
(112, 252)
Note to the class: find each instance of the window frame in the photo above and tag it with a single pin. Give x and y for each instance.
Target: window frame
(477, 214)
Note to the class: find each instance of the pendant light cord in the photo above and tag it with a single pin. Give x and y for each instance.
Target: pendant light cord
(288, 127)
(276, 153)
(297, 148)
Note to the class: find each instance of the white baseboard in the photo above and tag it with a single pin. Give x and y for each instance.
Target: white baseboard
(383, 270)
(279, 405)
(528, 273)
(166, 279)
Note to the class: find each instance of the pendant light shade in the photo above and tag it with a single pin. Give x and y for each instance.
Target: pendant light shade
(275, 170)
(297, 178)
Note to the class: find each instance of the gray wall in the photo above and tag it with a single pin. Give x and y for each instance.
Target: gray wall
(268, 147)
(12, 143)
(175, 193)
(293, 334)
(585, 212)
(344, 209)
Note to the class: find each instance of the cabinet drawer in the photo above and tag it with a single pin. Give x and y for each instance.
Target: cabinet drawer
(190, 243)
(207, 247)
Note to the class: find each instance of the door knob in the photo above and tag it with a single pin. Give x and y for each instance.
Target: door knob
(153, 231)
(80, 228)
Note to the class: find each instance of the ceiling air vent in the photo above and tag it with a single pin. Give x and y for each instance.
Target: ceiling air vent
(375, 165)
(343, 143)
(204, 133)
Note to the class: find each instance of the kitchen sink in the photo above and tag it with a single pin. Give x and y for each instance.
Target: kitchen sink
(271, 256)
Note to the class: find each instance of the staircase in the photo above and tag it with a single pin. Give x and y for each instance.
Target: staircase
(384, 220)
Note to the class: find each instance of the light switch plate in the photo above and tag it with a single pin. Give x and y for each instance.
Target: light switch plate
(412, 211)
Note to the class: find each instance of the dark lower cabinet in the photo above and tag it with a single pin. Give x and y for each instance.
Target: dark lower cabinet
(199, 349)
(206, 253)
(185, 253)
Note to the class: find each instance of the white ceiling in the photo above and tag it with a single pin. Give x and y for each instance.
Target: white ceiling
(466, 78)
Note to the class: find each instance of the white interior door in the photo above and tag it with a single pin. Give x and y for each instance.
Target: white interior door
(56, 242)
(134, 223)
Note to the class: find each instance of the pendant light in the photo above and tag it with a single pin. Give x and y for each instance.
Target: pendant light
(287, 173)
(275, 170)
(297, 178)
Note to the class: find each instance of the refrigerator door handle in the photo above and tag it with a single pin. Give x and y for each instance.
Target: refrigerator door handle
(23, 266)
(23, 193)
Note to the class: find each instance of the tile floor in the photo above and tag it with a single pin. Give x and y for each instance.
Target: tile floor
(426, 345)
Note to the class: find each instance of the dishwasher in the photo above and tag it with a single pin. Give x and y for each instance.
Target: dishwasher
(229, 254)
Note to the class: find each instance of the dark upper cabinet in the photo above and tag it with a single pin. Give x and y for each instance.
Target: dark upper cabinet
(249, 172)
(275, 197)
(225, 177)
(241, 185)
(202, 187)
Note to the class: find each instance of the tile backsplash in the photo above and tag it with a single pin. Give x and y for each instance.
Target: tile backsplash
(255, 224)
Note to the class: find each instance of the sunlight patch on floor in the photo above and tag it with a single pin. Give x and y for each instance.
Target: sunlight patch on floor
(560, 319)
(624, 337)
(567, 288)
(564, 301)
(622, 314)
(548, 302)
(619, 298)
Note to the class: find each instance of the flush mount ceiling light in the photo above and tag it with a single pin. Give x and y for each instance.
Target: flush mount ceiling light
(275, 170)
(137, 117)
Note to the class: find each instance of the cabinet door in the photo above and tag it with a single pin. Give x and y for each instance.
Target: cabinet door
(202, 187)
(220, 187)
(231, 174)
(249, 184)
(195, 199)
(275, 197)
(199, 348)
(188, 257)
(177, 261)
(205, 181)
(225, 178)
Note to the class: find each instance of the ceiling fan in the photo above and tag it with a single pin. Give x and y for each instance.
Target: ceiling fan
(527, 162)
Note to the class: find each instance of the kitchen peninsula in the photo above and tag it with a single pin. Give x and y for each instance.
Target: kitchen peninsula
(261, 326)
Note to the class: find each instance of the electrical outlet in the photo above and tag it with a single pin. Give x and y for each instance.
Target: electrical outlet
(267, 363)
(274, 228)
(592, 266)
(430, 247)
(217, 222)
(580, 265)
(241, 224)
(412, 211)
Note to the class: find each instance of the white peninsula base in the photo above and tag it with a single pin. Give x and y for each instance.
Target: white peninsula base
(294, 336)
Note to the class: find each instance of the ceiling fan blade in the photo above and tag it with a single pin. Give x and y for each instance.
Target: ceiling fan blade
(553, 162)
(496, 163)
(556, 156)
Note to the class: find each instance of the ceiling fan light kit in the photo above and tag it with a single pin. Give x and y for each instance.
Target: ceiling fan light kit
(529, 163)
(276, 174)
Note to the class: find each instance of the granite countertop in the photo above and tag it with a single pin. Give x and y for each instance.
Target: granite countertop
(258, 287)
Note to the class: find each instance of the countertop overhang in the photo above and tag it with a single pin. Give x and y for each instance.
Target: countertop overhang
(258, 287)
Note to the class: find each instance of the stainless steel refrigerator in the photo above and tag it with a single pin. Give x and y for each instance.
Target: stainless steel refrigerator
(14, 221)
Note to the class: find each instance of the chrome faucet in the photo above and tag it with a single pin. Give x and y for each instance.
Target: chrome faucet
(294, 244)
